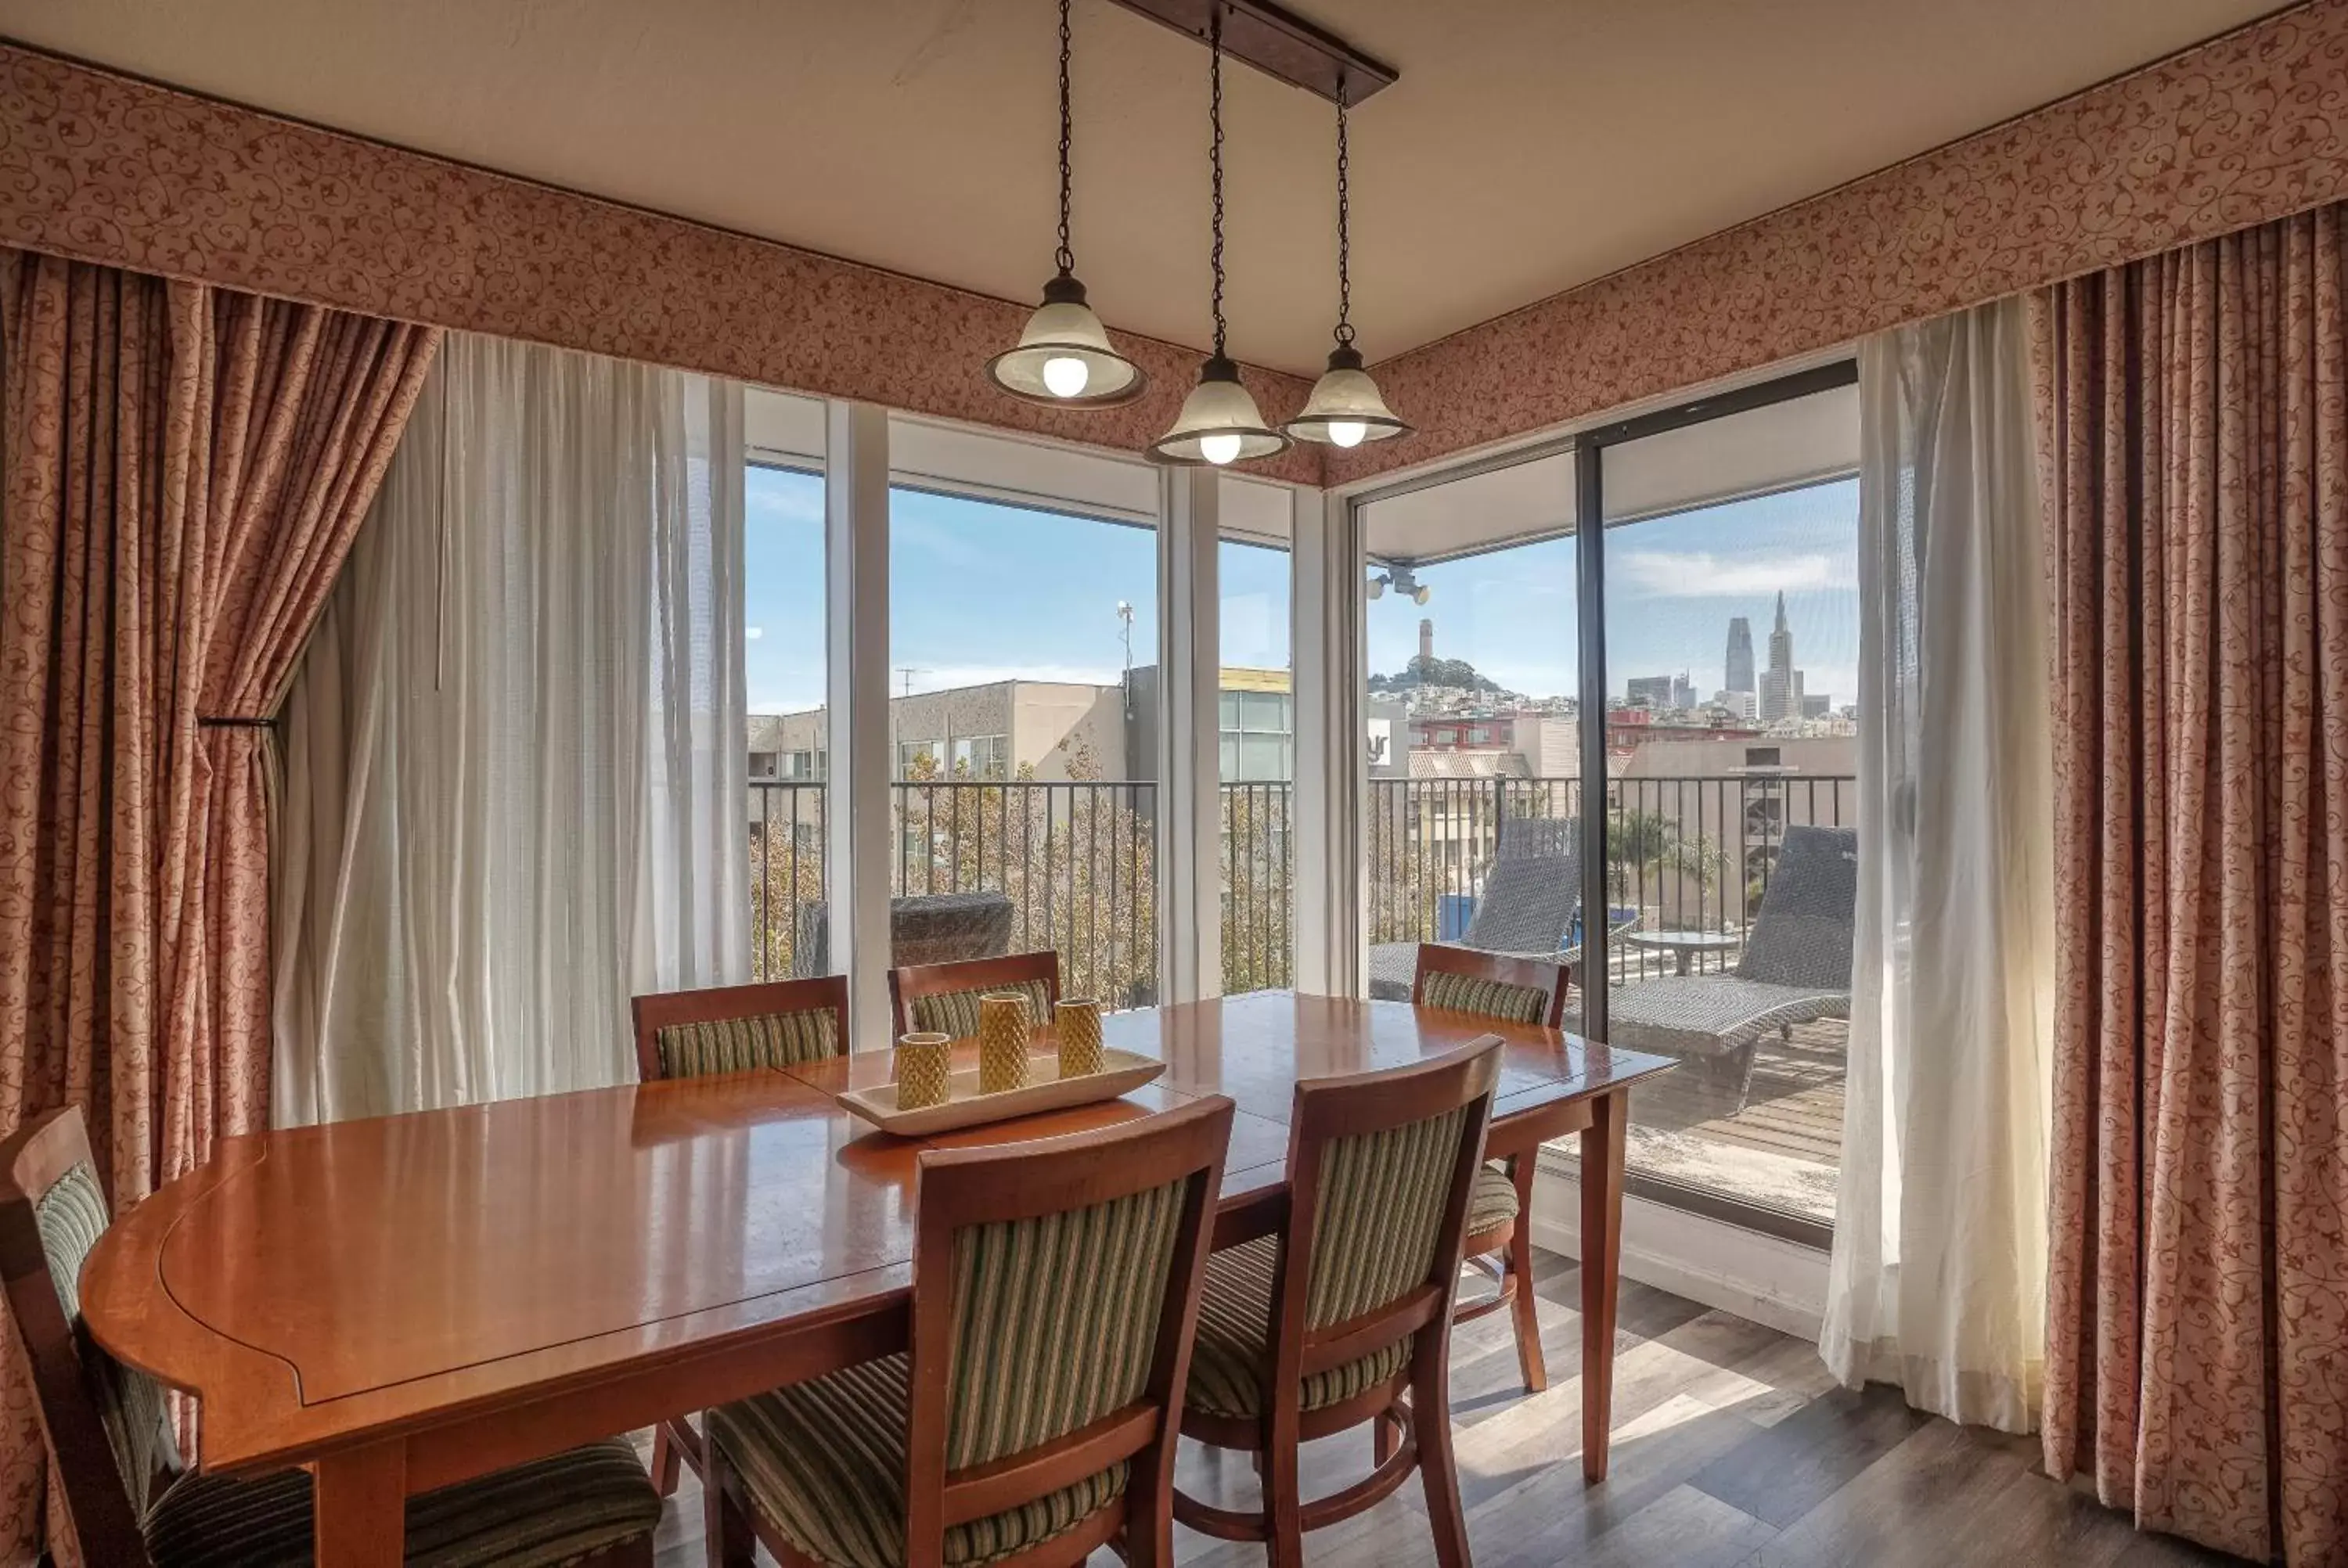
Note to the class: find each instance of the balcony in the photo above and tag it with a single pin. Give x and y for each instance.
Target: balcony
(1076, 862)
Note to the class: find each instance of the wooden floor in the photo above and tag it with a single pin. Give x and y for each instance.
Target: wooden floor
(1730, 1446)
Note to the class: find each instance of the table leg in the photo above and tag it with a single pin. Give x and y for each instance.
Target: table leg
(361, 1508)
(1601, 1267)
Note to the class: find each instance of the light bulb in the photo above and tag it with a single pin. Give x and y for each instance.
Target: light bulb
(1219, 449)
(1064, 377)
(1422, 596)
(1377, 587)
(1343, 432)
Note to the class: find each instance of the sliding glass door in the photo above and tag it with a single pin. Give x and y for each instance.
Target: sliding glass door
(1634, 734)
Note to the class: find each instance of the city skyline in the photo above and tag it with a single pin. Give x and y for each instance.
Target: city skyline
(982, 592)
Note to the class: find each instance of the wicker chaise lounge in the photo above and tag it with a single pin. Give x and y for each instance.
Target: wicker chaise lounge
(1528, 909)
(1796, 968)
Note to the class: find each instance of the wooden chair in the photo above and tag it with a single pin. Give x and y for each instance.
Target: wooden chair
(1499, 1213)
(1033, 1417)
(1343, 1317)
(944, 997)
(134, 1506)
(730, 1028)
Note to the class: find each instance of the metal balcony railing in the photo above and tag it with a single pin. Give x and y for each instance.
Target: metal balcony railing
(1078, 861)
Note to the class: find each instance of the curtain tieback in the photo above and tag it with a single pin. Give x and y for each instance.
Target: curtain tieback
(207, 721)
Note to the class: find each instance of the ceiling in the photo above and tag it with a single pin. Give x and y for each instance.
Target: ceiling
(1530, 145)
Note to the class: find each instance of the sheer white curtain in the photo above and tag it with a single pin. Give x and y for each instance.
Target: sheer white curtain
(1938, 1280)
(514, 778)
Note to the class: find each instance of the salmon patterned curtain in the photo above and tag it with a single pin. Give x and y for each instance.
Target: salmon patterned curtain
(184, 469)
(2194, 413)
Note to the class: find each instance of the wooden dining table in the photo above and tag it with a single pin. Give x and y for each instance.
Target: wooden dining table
(404, 1302)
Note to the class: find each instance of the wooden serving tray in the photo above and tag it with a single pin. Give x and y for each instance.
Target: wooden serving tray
(1121, 1072)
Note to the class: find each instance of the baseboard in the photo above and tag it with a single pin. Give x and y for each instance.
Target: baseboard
(1764, 1278)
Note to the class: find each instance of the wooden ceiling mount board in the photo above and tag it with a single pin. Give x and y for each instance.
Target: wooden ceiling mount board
(1277, 42)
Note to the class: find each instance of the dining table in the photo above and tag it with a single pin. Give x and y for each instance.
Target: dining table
(399, 1303)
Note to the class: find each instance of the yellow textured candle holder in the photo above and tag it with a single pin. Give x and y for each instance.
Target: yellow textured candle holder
(1077, 1026)
(924, 1070)
(1002, 1029)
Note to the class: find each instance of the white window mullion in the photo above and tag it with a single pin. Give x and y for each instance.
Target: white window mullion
(1189, 795)
(1326, 571)
(858, 830)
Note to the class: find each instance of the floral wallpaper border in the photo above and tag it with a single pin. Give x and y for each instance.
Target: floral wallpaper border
(2243, 129)
(101, 168)
(2248, 127)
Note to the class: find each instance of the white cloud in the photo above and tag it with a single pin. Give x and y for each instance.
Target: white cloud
(1700, 574)
(781, 503)
(752, 634)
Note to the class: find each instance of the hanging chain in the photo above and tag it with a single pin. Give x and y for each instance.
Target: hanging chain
(1344, 230)
(1064, 258)
(1215, 155)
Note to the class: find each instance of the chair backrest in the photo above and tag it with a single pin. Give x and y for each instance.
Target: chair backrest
(730, 1028)
(1056, 1289)
(924, 929)
(1490, 985)
(944, 997)
(1380, 1168)
(1804, 931)
(107, 1423)
(1532, 888)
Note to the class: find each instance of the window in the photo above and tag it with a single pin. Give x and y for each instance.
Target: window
(785, 664)
(1023, 637)
(1472, 663)
(1256, 725)
(1731, 569)
(981, 757)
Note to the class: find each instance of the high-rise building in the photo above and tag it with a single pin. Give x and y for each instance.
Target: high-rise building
(1816, 706)
(1682, 691)
(1740, 656)
(1426, 640)
(1649, 691)
(1781, 683)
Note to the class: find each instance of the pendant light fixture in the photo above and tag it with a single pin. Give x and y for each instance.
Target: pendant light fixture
(1346, 408)
(1064, 358)
(1219, 423)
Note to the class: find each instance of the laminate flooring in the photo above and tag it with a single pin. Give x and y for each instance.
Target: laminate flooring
(1732, 1446)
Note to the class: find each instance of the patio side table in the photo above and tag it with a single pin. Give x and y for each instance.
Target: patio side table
(1683, 946)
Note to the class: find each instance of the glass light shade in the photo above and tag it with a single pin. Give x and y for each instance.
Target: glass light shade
(1219, 423)
(1062, 338)
(1346, 408)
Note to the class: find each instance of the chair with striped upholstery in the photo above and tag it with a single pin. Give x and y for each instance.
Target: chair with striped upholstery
(944, 997)
(731, 1028)
(1032, 1416)
(133, 1505)
(1343, 1317)
(1499, 1213)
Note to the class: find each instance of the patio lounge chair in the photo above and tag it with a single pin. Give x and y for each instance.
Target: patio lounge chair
(1528, 909)
(1795, 969)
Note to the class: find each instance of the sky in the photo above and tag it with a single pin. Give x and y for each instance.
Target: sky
(1673, 585)
(982, 592)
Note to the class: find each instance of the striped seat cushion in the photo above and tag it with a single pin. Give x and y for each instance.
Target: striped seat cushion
(1492, 1201)
(738, 1044)
(956, 1012)
(1231, 1359)
(1485, 999)
(536, 1516)
(824, 1461)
